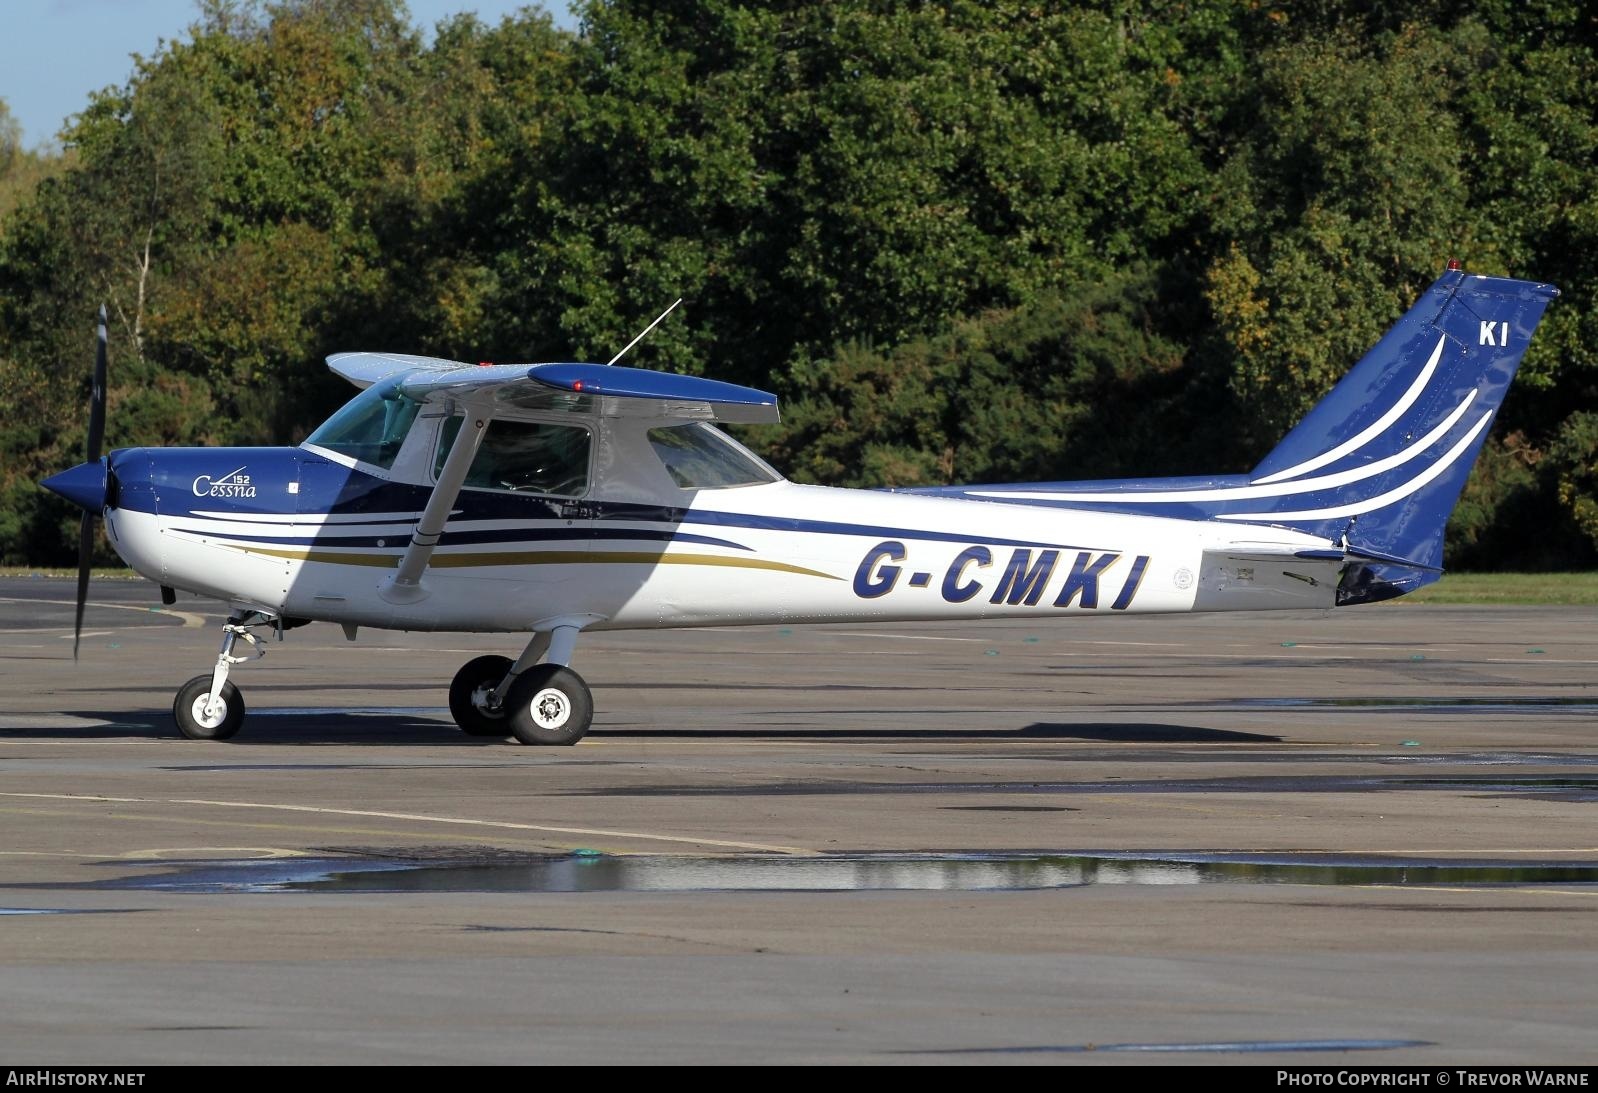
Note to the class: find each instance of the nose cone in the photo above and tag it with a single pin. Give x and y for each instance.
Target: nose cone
(85, 485)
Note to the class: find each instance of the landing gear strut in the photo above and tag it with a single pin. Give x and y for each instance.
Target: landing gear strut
(208, 707)
(538, 699)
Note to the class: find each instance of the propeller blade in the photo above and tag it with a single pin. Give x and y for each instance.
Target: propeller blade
(86, 523)
(85, 549)
(97, 395)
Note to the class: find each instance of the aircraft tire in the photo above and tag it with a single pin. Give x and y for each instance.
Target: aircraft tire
(474, 679)
(190, 701)
(549, 705)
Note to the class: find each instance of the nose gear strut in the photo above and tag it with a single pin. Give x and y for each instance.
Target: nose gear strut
(208, 707)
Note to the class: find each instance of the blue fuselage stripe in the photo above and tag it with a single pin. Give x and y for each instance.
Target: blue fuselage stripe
(288, 481)
(528, 536)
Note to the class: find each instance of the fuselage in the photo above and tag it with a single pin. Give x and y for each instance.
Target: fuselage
(303, 533)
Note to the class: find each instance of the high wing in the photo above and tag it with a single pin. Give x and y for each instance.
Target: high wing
(484, 389)
(606, 389)
(365, 369)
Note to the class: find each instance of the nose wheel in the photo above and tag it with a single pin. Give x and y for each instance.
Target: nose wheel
(199, 718)
(208, 707)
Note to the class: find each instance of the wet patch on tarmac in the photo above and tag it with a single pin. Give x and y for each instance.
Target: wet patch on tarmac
(1545, 787)
(1248, 1047)
(1496, 759)
(447, 764)
(1006, 808)
(462, 870)
(1497, 704)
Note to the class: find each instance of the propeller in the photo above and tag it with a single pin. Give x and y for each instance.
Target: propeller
(86, 522)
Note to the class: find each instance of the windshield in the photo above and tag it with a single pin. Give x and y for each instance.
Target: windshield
(371, 426)
(699, 457)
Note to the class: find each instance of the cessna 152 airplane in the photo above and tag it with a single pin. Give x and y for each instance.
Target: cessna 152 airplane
(554, 499)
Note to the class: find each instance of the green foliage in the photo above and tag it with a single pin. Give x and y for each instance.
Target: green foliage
(964, 241)
(1344, 189)
(1077, 384)
(21, 170)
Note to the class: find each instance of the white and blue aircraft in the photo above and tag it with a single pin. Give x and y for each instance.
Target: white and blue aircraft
(555, 499)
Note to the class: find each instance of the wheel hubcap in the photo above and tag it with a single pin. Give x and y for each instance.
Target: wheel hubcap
(550, 708)
(197, 711)
(481, 704)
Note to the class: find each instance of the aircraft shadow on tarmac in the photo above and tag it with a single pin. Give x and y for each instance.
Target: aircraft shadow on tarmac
(270, 728)
(404, 727)
(1106, 732)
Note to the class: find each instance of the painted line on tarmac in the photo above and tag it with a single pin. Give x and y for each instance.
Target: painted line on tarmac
(190, 620)
(320, 830)
(43, 630)
(417, 817)
(182, 853)
(890, 637)
(1573, 890)
(224, 853)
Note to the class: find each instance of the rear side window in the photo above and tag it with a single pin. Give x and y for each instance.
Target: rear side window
(524, 457)
(699, 457)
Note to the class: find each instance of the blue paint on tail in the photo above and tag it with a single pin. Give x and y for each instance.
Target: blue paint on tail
(1378, 464)
(1394, 441)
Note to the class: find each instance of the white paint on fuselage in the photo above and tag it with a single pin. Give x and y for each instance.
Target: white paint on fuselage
(875, 557)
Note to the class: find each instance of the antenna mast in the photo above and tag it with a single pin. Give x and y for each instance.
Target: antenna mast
(646, 330)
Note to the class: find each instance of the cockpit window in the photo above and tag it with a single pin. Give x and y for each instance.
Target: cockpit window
(371, 427)
(698, 457)
(525, 456)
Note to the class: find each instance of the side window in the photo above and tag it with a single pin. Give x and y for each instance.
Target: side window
(698, 456)
(524, 456)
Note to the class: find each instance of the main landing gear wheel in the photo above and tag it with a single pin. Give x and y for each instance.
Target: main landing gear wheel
(468, 697)
(188, 710)
(549, 704)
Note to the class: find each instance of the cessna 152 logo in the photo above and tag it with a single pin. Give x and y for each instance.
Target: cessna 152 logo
(233, 484)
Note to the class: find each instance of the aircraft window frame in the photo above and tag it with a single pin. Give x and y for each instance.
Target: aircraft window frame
(444, 436)
(400, 420)
(722, 450)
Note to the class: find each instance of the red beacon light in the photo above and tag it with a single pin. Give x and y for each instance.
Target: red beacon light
(1454, 265)
(577, 385)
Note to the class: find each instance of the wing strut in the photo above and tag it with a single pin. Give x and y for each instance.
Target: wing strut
(406, 584)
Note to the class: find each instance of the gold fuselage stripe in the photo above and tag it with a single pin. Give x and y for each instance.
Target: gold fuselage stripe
(539, 557)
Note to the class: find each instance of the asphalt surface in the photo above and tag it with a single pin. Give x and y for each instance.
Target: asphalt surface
(171, 901)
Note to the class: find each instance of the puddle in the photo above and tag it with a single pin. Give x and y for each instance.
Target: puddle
(1480, 705)
(1226, 1047)
(591, 872)
(1565, 788)
(1491, 759)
